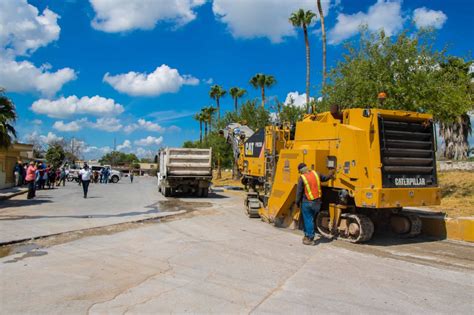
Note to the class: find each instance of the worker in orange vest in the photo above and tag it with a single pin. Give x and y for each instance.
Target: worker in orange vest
(308, 198)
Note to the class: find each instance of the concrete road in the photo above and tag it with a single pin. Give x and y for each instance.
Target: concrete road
(216, 260)
(64, 209)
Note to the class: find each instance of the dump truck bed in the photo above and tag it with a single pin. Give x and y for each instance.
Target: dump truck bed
(183, 162)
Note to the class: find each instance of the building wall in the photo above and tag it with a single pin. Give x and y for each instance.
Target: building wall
(8, 158)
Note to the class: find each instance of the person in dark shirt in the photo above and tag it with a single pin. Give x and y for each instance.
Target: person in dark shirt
(308, 198)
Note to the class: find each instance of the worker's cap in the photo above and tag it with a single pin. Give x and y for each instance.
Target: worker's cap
(301, 166)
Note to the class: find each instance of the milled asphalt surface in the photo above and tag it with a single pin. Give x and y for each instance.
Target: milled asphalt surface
(216, 260)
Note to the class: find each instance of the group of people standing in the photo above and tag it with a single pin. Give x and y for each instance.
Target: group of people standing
(38, 175)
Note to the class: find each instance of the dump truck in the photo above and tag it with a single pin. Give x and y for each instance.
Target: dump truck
(188, 171)
(384, 160)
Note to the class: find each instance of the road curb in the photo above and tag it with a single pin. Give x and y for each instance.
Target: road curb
(459, 229)
(13, 194)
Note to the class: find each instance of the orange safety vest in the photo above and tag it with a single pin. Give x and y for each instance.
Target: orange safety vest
(312, 185)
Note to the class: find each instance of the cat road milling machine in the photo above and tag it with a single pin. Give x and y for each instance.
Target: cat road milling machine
(384, 160)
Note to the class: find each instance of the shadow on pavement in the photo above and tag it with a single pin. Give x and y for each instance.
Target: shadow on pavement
(25, 202)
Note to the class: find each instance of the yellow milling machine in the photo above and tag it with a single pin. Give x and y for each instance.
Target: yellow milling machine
(384, 160)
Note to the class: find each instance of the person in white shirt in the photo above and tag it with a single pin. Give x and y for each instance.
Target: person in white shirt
(85, 173)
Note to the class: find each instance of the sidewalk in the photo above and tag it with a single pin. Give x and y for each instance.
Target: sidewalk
(11, 192)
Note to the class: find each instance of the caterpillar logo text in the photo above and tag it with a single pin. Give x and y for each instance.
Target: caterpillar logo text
(410, 181)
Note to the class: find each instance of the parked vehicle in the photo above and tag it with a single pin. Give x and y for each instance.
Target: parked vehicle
(185, 170)
(115, 175)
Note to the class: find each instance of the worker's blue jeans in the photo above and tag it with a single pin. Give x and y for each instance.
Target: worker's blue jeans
(310, 209)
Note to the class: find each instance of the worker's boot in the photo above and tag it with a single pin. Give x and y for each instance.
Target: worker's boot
(308, 241)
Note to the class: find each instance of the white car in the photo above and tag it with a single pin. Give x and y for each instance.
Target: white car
(115, 175)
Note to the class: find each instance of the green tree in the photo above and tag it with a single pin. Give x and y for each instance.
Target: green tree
(55, 155)
(216, 93)
(236, 93)
(262, 81)
(290, 113)
(323, 33)
(456, 132)
(7, 120)
(116, 157)
(250, 114)
(302, 18)
(410, 71)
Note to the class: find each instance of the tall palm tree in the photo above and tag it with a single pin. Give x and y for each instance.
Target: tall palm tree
(7, 119)
(262, 81)
(216, 93)
(302, 18)
(200, 118)
(237, 93)
(208, 116)
(323, 32)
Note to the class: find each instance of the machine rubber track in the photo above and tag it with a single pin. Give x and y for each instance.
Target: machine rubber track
(366, 227)
(415, 225)
(253, 206)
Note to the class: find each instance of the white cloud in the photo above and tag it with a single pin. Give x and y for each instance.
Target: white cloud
(37, 122)
(24, 76)
(72, 105)
(144, 125)
(173, 128)
(149, 141)
(96, 152)
(385, 14)
(144, 153)
(108, 124)
(67, 127)
(424, 17)
(297, 99)
(125, 15)
(35, 137)
(163, 80)
(23, 29)
(126, 145)
(263, 18)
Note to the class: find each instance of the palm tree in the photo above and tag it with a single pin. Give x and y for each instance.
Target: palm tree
(237, 93)
(199, 117)
(456, 137)
(7, 119)
(262, 81)
(323, 32)
(216, 93)
(208, 116)
(302, 18)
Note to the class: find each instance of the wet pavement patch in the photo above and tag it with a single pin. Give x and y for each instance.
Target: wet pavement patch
(180, 209)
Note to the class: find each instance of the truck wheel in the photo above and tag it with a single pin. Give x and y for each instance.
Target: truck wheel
(159, 188)
(115, 179)
(166, 192)
(204, 192)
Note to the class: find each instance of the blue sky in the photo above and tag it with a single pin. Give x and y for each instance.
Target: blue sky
(136, 71)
